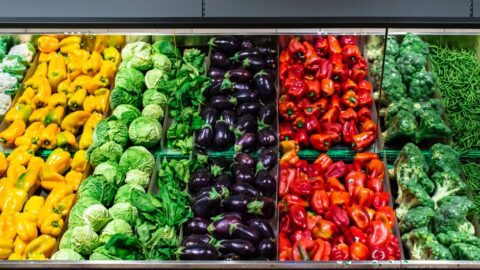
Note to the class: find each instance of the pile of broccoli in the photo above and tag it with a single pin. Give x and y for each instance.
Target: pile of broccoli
(433, 209)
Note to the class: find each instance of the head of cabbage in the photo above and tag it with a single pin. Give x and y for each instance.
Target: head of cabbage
(161, 62)
(124, 193)
(153, 96)
(120, 96)
(111, 171)
(137, 177)
(154, 111)
(108, 151)
(145, 131)
(126, 113)
(99, 188)
(125, 211)
(137, 55)
(113, 227)
(153, 78)
(84, 240)
(130, 79)
(67, 255)
(96, 216)
(75, 218)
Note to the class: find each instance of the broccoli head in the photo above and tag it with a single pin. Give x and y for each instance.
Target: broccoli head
(446, 184)
(444, 158)
(391, 111)
(392, 47)
(412, 172)
(452, 214)
(461, 251)
(403, 126)
(436, 251)
(409, 63)
(433, 104)
(410, 153)
(413, 43)
(410, 195)
(418, 217)
(432, 126)
(392, 86)
(449, 238)
(421, 87)
(422, 245)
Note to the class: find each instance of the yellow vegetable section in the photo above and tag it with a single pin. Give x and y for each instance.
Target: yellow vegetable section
(57, 110)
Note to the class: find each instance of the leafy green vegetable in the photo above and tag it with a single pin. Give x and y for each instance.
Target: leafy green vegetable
(96, 216)
(116, 226)
(154, 77)
(75, 218)
(127, 113)
(121, 96)
(124, 247)
(111, 129)
(66, 241)
(154, 111)
(161, 62)
(137, 177)
(137, 157)
(145, 131)
(136, 55)
(67, 255)
(109, 151)
(98, 188)
(130, 79)
(167, 48)
(84, 240)
(111, 171)
(124, 193)
(125, 211)
(152, 96)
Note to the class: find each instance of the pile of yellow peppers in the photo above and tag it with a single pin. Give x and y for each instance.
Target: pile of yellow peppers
(63, 100)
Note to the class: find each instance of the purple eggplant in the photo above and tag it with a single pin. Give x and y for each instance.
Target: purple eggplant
(215, 89)
(206, 191)
(266, 249)
(239, 56)
(246, 143)
(237, 215)
(210, 115)
(199, 179)
(220, 60)
(196, 225)
(222, 102)
(248, 108)
(226, 44)
(237, 202)
(220, 227)
(265, 182)
(204, 136)
(246, 96)
(263, 226)
(219, 165)
(238, 246)
(267, 51)
(198, 252)
(267, 114)
(229, 117)
(240, 87)
(271, 62)
(231, 257)
(265, 86)
(253, 63)
(215, 73)
(223, 180)
(240, 231)
(262, 207)
(247, 123)
(195, 239)
(207, 205)
(238, 75)
(267, 137)
(271, 72)
(244, 159)
(267, 159)
(223, 137)
(246, 189)
(246, 44)
(243, 173)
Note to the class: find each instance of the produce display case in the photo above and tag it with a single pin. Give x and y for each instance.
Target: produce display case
(388, 152)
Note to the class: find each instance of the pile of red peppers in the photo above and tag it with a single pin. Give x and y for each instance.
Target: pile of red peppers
(334, 211)
(325, 97)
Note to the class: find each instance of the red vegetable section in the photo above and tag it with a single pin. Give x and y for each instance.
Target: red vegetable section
(325, 97)
(330, 210)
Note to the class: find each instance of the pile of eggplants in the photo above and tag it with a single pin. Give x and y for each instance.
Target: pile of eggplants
(233, 200)
(240, 110)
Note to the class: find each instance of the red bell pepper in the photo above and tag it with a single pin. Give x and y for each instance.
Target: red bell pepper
(393, 247)
(314, 170)
(283, 70)
(301, 167)
(389, 213)
(321, 141)
(288, 110)
(351, 53)
(339, 216)
(313, 61)
(301, 136)
(363, 140)
(364, 86)
(297, 235)
(320, 201)
(347, 115)
(312, 124)
(340, 252)
(313, 89)
(379, 253)
(301, 249)
(322, 250)
(300, 187)
(325, 230)
(364, 99)
(349, 85)
(375, 184)
(380, 199)
(303, 103)
(359, 251)
(359, 70)
(309, 50)
(334, 45)
(317, 183)
(285, 178)
(333, 184)
(347, 40)
(340, 198)
(364, 114)
(299, 122)
(298, 216)
(354, 179)
(340, 73)
(363, 158)
(322, 105)
(354, 234)
(312, 220)
(324, 160)
(312, 111)
(298, 89)
(336, 59)
(371, 212)
(283, 241)
(368, 125)
(335, 102)
(376, 169)
(335, 137)
(350, 99)
(290, 199)
(296, 71)
(325, 71)
(337, 170)
(296, 49)
(321, 46)
(349, 130)
(285, 131)
(285, 57)
(362, 196)
(331, 128)
(327, 87)
(285, 255)
(359, 216)
(286, 224)
(380, 233)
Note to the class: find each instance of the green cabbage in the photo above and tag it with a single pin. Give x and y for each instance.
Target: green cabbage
(124, 193)
(121, 96)
(84, 240)
(137, 55)
(127, 113)
(154, 111)
(98, 188)
(137, 157)
(66, 255)
(145, 131)
(152, 96)
(113, 227)
(75, 218)
(153, 78)
(96, 216)
(104, 152)
(167, 48)
(161, 61)
(112, 172)
(66, 241)
(111, 130)
(137, 177)
(125, 211)
(101, 253)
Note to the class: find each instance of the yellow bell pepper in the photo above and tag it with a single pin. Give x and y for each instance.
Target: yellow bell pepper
(52, 225)
(59, 160)
(39, 115)
(47, 44)
(6, 247)
(112, 55)
(93, 64)
(28, 182)
(108, 70)
(57, 71)
(87, 138)
(36, 164)
(64, 205)
(73, 179)
(97, 82)
(13, 172)
(93, 120)
(27, 96)
(33, 205)
(26, 226)
(45, 58)
(42, 68)
(80, 82)
(37, 257)
(15, 257)
(48, 136)
(70, 44)
(36, 82)
(57, 194)
(79, 55)
(30, 138)
(50, 179)
(44, 91)
(20, 155)
(102, 96)
(76, 100)
(16, 129)
(44, 212)
(105, 41)
(57, 99)
(67, 141)
(14, 200)
(8, 228)
(90, 104)
(3, 164)
(5, 187)
(74, 69)
(65, 88)
(55, 116)
(18, 112)
(74, 121)
(19, 246)
(79, 161)
(44, 245)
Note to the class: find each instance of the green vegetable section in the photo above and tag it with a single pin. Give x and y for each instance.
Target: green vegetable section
(472, 174)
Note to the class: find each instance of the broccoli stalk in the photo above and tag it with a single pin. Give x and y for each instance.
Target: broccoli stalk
(422, 245)
(410, 195)
(402, 126)
(410, 153)
(447, 184)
